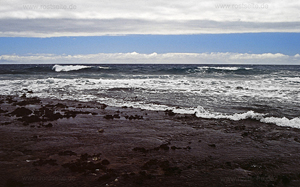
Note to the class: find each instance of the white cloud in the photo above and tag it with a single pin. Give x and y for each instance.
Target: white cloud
(96, 27)
(183, 58)
(89, 18)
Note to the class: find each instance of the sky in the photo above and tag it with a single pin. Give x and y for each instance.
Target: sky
(136, 31)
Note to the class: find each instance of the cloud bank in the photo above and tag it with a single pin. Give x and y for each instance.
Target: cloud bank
(173, 58)
(91, 27)
(31, 18)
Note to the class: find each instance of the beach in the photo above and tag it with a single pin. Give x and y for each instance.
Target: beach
(51, 142)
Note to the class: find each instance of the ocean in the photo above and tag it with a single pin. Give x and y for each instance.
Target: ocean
(267, 93)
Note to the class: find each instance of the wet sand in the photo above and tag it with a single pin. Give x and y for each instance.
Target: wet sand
(48, 142)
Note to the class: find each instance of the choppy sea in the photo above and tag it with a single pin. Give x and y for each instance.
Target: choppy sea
(268, 93)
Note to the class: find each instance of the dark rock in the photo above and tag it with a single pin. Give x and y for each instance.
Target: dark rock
(50, 114)
(143, 173)
(103, 106)
(212, 145)
(69, 114)
(124, 107)
(101, 130)
(285, 179)
(228, 163)
(116, 116)
(2, 111)
(245, 134)
(28, 101)
(48, 125)
(170, 171)
(105, 162)
(109, 117)
(44, 162)
(14, 183)
(140, 149)
(30, 119)
(82, 165)
(164, 147)
(84, 157)
(21, 112)
(239, 128)
(297, 140)
(170, 113)
(105, 177)
(60, 105)
(131, 117)
(67, 153)
(173, 147)
(151, 164)
(25, 124)
(5, 123)
(187, 148)
(10, 99)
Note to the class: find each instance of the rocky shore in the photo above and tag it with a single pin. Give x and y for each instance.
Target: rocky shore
(47, 142)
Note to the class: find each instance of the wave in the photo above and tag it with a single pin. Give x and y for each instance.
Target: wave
(59, 68)
(295, 122)
(201, 112)
(101, 67)
(224, 68)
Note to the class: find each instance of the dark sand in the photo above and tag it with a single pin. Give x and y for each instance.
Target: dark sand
(68, 143)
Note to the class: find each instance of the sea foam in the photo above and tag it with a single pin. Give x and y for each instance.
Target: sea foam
(224, 68)
(59, 68)
(201, 112)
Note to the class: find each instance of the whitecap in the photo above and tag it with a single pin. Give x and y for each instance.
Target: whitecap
(295, 122)
(201, 112)
(59, 68)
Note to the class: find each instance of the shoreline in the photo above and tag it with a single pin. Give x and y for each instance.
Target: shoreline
(70, 143)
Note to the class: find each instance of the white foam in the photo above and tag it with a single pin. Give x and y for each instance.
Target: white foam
(59, 68)
(201, 112)
(224, 68)
(295, 122)
(101, 67)
(212, 91)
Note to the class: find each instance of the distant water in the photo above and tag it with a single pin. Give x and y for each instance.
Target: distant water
(267, 93)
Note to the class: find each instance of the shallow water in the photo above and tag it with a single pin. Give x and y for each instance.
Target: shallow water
(264, 92)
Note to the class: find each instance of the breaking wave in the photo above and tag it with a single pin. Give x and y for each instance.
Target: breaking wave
(224, 68)
(59, 68)
(295, 122)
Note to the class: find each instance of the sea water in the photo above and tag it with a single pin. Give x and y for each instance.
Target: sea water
(268, 93)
